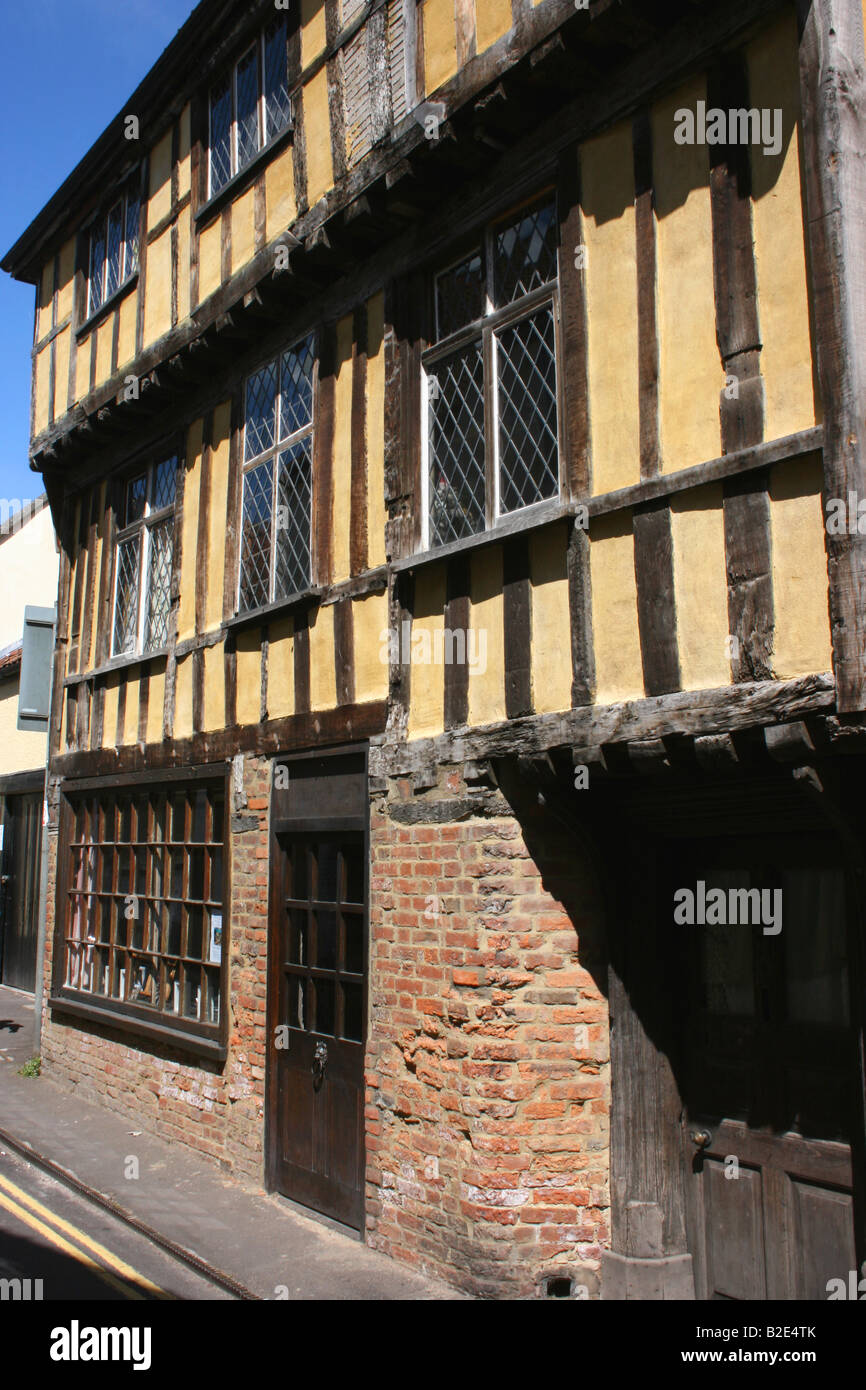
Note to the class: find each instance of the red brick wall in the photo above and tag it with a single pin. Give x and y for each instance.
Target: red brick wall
(488, 1087)
(214, 1108)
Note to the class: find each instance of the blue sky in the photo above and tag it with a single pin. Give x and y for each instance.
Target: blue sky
(67, 71)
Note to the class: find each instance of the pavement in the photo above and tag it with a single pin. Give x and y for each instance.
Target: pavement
(252, 1243)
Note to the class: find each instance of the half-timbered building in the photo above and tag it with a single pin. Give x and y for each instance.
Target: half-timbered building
(452, 416)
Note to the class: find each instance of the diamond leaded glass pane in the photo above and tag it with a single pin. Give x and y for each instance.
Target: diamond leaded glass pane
(256, 538)
(524, 254)
(296, 387)
(459, 296)
(220, 136)
(97, 267)
(126, 600)
(114, 250)
(136, 499)
(278, 107)
(528, 453)
(261, 401)
(456, 432)
(164, 485)
(248, 108)
(294, 514)
(158, 587)
(133, 208)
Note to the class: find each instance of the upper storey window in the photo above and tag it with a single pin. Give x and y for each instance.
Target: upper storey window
(492, 434)
(278, 479)
(145, 544)
(250, 106)
(113, 254)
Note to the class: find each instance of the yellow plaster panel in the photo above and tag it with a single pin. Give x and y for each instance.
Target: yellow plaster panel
(281, 669)
(780, 253)
(215, 688)
(133, 701)
(440, 42)
(492, 20)
(61, 372)
(611, 290)
(376, 431)
(156, 702)
(341, 488)
(128, 310)
(323, 675)
(701, 587)
(157, 288)
(690, 369)
(618, 665)
(46, 299)
(551, 630)
(160, 183)
(183, 153)
(243, 229)
(104, 340)
(183, 265)
(280, 209)
(219, 482)
(186, 616)
(427, 681)
(183, 699)
(66, 279)
(312, 30)
(209, 260)
(41, 382)
(800, 587)
(370, 618)
(485, 643)
(109, 713)
(317, 128)
(249, 675)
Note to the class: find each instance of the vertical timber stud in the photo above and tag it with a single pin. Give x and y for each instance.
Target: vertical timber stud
(833, 106)
(323, 458)
(518, 628)
(457, 621)
(746, 499)
(358, 511)
(336, 110)
(299, 145)
(648, 339)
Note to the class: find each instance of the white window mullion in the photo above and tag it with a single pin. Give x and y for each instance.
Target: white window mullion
(235, 157)
(425, 459)
(494, 424)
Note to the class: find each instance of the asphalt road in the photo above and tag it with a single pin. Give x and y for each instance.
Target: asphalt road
(79, 1251)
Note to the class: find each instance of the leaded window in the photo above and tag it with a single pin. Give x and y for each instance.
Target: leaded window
(143, 922)
(143, 565)
(275, 559)
(490, 380)
(113, 254)
(249, 106)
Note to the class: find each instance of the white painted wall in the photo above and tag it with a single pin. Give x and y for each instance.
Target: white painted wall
(29, 566)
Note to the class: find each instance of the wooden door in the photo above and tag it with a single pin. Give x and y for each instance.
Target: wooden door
(19, 890)
(317, 1133)
(770, 1074)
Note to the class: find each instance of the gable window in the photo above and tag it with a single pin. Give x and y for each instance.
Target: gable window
(490, 384)
(113, 254)
(278, 479)
(142, 585)
(250, 106)
(143, 919)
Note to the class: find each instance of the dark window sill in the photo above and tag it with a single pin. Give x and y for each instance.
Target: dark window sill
(516, 524)
(117, 663)
(106, 307)
(238, 182)
(131, 1020)
(256, 617)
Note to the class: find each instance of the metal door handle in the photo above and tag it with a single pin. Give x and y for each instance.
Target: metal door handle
(700, 1138)
(320, 1058)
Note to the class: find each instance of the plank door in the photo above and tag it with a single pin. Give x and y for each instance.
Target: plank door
(771, 1072)
(318, 1128)
(19, 891)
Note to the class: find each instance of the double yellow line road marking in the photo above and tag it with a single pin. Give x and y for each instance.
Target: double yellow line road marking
(22, 1206)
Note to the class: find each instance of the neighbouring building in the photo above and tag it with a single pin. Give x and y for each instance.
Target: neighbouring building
(28, 591)
(447, 411)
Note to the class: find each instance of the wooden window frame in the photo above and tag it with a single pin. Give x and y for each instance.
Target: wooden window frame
(264, 138)
(485, 330)
(142, 526)
(271, 457)
(129, 190)
(126, 1012)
